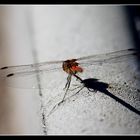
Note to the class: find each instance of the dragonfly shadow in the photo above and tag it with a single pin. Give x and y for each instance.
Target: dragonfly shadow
(95, 85)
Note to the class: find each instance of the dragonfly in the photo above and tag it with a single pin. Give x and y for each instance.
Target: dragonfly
(72, 67)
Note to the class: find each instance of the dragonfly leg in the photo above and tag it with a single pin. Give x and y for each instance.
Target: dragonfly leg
(66, 87)
(72, 95)
(76, 87)
(67, 83)
(78, 90)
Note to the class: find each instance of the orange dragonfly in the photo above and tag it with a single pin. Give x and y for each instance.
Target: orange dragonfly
(71, 67)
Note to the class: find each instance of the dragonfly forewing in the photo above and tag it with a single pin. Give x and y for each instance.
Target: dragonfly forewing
(109, 58)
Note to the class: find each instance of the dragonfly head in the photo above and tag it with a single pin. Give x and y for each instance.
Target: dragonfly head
(71, 66)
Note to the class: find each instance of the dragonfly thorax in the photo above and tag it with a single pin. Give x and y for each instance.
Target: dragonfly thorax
(71, 66)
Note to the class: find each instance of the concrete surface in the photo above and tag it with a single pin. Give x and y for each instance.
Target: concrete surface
(62, 32)
(19, 108)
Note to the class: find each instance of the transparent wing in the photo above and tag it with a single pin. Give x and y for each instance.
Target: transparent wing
(8, 71)
(44, 79)
(111, 67)
(99, 59)
(26, 76)
(108, 58)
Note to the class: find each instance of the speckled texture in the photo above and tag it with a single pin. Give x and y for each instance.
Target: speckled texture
(63, 32)
(75, 31)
